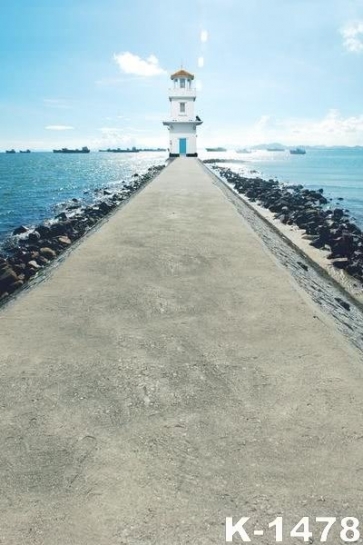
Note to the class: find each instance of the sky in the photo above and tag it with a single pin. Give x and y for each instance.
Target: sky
(97, 72)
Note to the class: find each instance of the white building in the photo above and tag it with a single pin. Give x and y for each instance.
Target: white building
(183, 122)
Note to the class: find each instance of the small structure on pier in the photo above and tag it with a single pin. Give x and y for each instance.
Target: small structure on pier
(183, 122)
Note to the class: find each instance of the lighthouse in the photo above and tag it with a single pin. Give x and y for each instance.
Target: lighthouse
(183, 122)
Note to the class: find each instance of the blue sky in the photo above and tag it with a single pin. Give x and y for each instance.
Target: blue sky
(96, 72)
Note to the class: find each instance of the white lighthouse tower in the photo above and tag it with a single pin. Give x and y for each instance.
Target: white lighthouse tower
(183, 122)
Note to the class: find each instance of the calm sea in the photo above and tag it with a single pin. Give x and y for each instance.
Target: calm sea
(32, 185)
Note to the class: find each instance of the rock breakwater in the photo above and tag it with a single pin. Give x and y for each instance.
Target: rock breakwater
(29, 250)
(327, 228)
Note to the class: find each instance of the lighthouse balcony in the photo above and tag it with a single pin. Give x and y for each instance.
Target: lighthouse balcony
(180, 92)
(194, 121)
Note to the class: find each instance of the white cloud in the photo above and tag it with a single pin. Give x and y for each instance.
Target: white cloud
(200, 62)
(114, 137)
(333, 129)
(59, 128)
(353, 37)
(132, 64)
(204, 36)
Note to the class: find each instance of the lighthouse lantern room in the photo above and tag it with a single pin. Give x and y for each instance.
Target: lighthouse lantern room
(183, 122)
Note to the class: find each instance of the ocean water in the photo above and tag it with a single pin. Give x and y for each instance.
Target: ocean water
(339, 171)
(32, 185)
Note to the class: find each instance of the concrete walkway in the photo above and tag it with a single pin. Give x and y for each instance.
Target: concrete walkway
(169, 374)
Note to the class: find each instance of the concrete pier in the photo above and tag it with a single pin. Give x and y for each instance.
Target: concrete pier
(170, 374)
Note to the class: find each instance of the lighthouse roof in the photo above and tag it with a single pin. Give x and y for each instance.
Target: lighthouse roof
(182, 74)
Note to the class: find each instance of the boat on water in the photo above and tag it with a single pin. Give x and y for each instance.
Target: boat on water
(119, 150)
(66, 150)
(216, 149)
(10, 151)
(275, 149)
(243, 150)
(25, 151)
(297, 151)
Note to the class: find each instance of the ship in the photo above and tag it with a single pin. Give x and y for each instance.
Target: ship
(119, 150)
(297, 151)
(275, 149)
(216, 149)
(10, 151)
(243, 150)
(66, 150)
(25, 151)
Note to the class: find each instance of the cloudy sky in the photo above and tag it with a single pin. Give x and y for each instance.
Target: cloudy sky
(96, 72)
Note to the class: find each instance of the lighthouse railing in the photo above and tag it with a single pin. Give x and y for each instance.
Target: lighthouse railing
(182, 93)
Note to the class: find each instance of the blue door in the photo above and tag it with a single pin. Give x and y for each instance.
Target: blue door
(182, 146)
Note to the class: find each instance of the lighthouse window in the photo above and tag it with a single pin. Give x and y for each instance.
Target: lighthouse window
(182, 107)
(182, 83)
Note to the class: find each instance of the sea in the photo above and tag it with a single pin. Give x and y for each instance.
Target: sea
(339, 171)
(33, 186)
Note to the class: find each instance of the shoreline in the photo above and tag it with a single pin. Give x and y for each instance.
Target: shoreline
(327, 236)
(340, 304)
(30, 252)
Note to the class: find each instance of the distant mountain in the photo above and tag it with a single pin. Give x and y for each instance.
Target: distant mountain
(278, 145)
(272, 145)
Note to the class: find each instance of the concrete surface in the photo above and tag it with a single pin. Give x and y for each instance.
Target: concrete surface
(169, 374)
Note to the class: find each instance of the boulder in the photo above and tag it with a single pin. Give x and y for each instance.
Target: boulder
(20, 230)
(44, 231)
(62, 216)
(7, 277)
(338, 213)
(64, 240)
(34, 237)
(34, 264)
(48, 253)
(15, 286)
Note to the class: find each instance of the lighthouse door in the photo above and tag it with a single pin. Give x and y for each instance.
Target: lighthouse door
(182, 146)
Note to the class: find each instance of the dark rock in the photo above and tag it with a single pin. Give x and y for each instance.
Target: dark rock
(20, 230)
(43, 230)
(15, 286)
(7, 277)
(341, 263)
(303, 266)
(354, 268)
(62, 216)
(338, 213)
(48, 253)
(34, 237)
(59, 229)
(344, 304)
